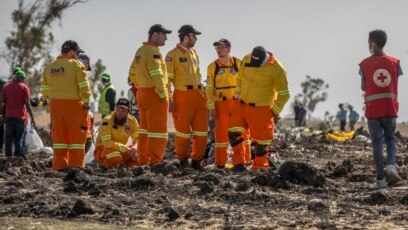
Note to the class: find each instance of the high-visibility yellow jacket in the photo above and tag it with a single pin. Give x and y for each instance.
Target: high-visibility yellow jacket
(263, 86)
(183, 68)
(114, 136)
(221, 86)
(65, 78)
(148, 69)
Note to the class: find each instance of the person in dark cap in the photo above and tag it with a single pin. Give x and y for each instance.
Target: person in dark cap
(190, 113)
(112, 146)
(262, 89)
(85, 60)
(222, 77)
(152, 97)
(65, 83)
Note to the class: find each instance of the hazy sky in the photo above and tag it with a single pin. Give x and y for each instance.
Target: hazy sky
(320, 38)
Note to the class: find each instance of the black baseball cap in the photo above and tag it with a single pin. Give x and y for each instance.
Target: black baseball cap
(158, 28)
(186, 29)
(71, 45)
(123, 103)
(222, 41)
(85, 58)
(257, 56)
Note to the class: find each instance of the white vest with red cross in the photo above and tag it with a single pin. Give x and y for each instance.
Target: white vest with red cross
(380, 73)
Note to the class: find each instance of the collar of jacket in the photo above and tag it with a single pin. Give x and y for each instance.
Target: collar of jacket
(231, 61)
(182, 48)
(149, 44)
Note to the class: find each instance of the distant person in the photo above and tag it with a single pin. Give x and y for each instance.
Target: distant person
(296, 111)
(379, 80)
(108, 96)
(342, 116)
(132, 96)
(16, 96)
(2, 84)
(149, 73)
(353, 117)
(221, 85)
(65, 83)
(112, 147)
(301, 115)
(190, 113)
(262, 90)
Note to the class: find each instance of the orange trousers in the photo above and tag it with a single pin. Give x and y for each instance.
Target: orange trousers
(153, 115)
(190, 116)
(69, 129)
(259, 120)
(223, 110)
(110, 158)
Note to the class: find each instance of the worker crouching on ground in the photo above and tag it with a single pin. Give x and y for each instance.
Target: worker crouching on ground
(262, 89)
(111, 143)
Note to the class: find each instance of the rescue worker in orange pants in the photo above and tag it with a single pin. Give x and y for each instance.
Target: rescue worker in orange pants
(65, 83)
(221, 84)
(262, 89)
(190, 112)
(111, 143)
(150, 68)
(90, 118)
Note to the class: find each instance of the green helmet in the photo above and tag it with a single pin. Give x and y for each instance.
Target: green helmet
(20, 74)
(106, 76)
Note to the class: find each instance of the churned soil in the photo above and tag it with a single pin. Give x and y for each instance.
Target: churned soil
(315, 183)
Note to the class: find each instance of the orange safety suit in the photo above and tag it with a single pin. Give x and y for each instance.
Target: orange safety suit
(220, 89)
(111, 142)
(149, 73)
(190, 112)
(65, 83)
(263, 92)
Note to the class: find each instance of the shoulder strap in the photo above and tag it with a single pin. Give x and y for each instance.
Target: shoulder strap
(235, 64)
(217, 68)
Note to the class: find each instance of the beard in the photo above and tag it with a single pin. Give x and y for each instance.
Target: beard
(120, 121)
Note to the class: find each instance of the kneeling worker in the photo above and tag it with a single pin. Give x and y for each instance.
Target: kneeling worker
(111, 143)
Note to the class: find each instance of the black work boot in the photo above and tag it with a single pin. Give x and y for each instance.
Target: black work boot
(238, 169)
(183, 163)
(197, 165)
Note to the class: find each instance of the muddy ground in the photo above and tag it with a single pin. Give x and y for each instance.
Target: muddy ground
(322, 184)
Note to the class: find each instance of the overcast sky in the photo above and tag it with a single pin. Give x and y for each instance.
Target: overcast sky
(321, 38)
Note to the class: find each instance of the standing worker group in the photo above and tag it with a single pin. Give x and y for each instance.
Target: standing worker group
(221, 85)
(190, 112)
(65, 83)
(149, 73)
(262, 89)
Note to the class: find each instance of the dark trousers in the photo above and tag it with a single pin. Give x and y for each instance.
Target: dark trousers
(343, 126)
(1, 136)
(15, 128)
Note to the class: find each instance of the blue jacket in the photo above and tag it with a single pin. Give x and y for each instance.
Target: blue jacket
(342, 115)
(353, 116)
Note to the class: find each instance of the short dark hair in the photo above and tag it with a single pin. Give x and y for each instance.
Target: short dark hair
(379, 37)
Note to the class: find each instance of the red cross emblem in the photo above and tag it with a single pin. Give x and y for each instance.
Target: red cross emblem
(382, 78)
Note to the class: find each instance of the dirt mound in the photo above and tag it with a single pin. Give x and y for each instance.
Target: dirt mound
(317, 182)
(301, 173)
